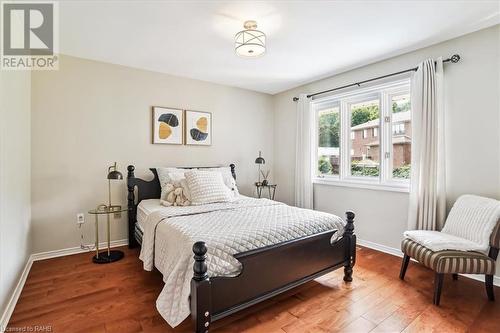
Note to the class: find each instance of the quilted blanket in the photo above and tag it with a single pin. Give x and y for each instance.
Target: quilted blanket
(227, 229)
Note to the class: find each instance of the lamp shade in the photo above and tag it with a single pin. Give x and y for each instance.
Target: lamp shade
(115, 175)
(250, 42)
(260, 159)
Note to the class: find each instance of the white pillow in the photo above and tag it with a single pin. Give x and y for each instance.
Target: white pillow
(172, 176)
(207, 187)
(227, 176)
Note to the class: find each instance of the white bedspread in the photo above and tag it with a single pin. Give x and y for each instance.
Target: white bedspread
(227, 229)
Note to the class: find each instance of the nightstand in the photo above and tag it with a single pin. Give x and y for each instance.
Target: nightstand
(108, 256)
(271, 189)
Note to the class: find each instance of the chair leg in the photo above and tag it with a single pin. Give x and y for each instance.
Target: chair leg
(488, 282)
(455, 276)
(438, 284)
(404, 266)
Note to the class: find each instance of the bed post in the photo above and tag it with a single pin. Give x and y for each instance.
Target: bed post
(132, 209)
(201, 311)
(351, 247)
(233, 172)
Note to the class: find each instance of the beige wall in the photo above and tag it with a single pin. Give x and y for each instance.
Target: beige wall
(89, 114)
(14, 180)
(472, 135)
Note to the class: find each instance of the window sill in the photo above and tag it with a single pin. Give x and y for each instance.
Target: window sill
(404, 188)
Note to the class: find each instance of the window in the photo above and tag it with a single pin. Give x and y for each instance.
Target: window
(363, 115)
(329, 141)
(401, 140)
(398, 128)
(379, 156)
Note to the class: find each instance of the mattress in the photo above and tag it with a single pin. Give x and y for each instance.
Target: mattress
(145, 208)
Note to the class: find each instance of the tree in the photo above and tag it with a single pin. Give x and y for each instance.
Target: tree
(329, 128)
(364, 114)
(406, 106)
(324, 165)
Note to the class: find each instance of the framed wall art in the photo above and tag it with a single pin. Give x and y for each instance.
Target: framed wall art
(168, 125)
(198, 128)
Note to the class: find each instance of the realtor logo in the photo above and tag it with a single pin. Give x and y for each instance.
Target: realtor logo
(29, 35)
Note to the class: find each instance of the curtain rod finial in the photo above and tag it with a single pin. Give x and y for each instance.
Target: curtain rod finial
(455, 58)
(295, 99)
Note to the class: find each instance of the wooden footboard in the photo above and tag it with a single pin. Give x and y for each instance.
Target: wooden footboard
(267, 272)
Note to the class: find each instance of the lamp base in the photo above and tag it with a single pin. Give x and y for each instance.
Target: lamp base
(103, 258)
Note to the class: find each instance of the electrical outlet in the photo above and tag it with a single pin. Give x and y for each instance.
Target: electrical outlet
(80, 218)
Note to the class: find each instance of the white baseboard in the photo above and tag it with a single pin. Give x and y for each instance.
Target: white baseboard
(379, 247)
(397, 252)
(75, 250)
(11, 304)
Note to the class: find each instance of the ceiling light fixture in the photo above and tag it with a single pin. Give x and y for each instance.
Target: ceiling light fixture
(250, 42)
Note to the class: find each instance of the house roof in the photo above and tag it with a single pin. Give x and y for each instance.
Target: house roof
(396, 118)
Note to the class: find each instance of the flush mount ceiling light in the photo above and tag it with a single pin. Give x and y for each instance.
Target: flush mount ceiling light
(250, 42)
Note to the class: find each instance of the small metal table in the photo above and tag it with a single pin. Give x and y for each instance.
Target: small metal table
(105, 257)
(271, 188)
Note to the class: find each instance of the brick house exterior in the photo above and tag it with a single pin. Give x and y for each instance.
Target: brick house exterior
(365, 141)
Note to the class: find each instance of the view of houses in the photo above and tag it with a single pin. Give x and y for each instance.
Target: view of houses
(365, 140)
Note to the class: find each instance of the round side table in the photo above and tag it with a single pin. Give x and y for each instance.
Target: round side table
(107, 256)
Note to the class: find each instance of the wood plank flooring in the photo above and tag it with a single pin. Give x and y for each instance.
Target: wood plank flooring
(71, 295)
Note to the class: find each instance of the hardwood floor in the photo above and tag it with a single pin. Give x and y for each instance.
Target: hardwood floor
(71, 295)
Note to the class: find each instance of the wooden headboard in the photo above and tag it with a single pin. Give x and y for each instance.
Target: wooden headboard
(147, 190)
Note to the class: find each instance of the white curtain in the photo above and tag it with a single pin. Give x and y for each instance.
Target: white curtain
(303, 149)
(427, 207)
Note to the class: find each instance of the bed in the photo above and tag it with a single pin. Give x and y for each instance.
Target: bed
(278, 248)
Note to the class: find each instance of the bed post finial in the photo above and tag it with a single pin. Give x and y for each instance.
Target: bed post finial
(132, 242)
(201, 304)
(233, 172)
(349, 228)
(200, 266)
(351, 247)
(130, 169)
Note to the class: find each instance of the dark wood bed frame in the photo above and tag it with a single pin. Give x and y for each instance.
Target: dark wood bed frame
(266, 271)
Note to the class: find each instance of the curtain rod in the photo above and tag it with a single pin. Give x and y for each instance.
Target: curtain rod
(454, 59)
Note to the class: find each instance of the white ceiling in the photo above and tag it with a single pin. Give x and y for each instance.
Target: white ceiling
(307, 40)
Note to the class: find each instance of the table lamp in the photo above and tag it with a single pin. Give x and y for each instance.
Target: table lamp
(260, 160)
(113, 174)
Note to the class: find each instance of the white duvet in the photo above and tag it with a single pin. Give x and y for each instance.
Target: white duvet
(227, 229)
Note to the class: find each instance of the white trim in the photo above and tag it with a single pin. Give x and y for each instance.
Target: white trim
(75, 250)
(393, 187)
(11, 304)
(397, 252)
(379, 247)
(383, 94)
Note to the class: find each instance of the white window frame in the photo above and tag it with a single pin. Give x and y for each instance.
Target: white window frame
(365, 133)
(375, 132)
(384, 93)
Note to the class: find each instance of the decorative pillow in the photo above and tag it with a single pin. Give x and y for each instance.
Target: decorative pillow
(174, 196)
(227, 176)
(172, 176)
(207, 187)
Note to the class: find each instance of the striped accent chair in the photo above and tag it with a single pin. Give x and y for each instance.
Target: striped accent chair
(454, 262)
